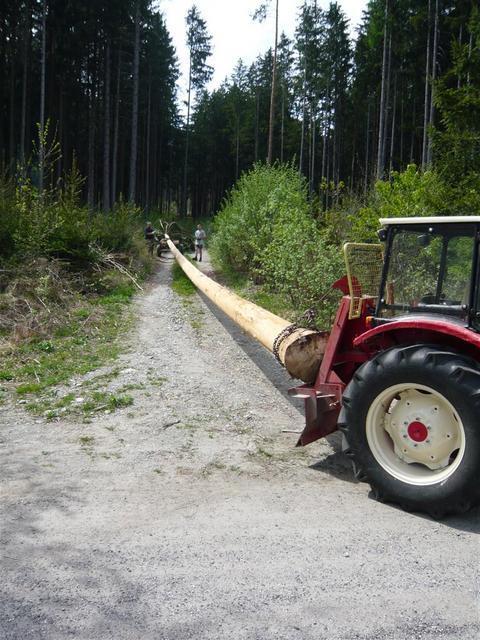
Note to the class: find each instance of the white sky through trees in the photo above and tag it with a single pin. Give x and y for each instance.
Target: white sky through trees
(234, 33)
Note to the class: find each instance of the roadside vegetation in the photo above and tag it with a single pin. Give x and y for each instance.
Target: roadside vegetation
(275, 245)
(67, 275)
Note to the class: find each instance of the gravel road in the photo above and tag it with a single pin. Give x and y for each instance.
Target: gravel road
(190, 514)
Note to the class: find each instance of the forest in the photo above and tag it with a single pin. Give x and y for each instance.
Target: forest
(94, 85)
(303, 149)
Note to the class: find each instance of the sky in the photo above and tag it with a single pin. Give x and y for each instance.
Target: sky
(234, 34)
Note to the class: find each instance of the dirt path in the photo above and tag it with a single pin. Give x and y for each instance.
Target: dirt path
(190, 514)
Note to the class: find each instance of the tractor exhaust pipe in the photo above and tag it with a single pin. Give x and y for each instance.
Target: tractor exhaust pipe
(299, 350)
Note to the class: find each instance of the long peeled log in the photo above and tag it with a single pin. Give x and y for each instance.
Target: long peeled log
(299, 350)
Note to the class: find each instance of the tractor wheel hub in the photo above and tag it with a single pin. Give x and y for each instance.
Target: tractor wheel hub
(423, 428)
(417, 431)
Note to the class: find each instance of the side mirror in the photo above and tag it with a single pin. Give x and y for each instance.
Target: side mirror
(382, 235)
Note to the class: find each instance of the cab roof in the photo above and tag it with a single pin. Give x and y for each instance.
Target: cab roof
(430, 220)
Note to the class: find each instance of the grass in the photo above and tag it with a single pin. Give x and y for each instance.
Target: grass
(102, 400)
(88, 339)
(180, 283)
(131, 386)
(156, 381)
(185, 289)
(258, 294)
(52, 407)
(273, 302)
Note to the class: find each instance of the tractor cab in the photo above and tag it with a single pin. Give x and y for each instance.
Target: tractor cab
(430, 268)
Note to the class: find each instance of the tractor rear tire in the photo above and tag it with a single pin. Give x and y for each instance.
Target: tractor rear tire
(410, 418)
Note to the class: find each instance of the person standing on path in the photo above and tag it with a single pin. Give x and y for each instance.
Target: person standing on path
(200, 236)
(150, 237)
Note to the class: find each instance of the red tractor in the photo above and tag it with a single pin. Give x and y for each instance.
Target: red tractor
(400, 376)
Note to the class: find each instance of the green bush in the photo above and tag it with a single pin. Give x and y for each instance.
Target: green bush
(55, 225)
(409, 193)
(265, 230)
(243, 227)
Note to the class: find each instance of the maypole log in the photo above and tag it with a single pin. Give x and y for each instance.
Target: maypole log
(299, 350)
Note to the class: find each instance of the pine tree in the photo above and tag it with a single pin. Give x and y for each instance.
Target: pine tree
(199, 73)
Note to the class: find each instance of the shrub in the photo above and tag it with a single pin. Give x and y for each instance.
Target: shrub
(243, 227)
(266, 231)
(55, 225)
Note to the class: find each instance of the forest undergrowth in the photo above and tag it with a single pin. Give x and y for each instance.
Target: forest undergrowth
(67, 275)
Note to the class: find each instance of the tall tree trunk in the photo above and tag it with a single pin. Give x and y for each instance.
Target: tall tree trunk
(334, 155)
(26, 51)
(380, 160)
(185, 167)
(470, 44)
(427, 92)
(352, 166)
(257, 116)
(134, 140)
(327, 162)
(325, 122)
(434, 77)
(412, 140)
(60, 127)
(91, 147)
(392, 136)
(302, 134)
(11, 118)
(147, 146)
(116, 125)
(106, 131)
(324, 150)
(272, 95)
(460, 37)
(237, 149)
(41, 146)
(314, 137)
(309, 167)
(401, 131)
(367, 149)
(282, 130)
(387, 103)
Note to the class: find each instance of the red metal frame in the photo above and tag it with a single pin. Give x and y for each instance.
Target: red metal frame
(351, 343)
(416, 330)
(323, 398)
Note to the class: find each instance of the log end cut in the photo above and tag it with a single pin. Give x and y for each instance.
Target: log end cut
(304, 353)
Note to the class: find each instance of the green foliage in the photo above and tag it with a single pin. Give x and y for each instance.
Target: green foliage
(457, 98)
(52, 223)
(244, 225)
(265, 231)
(409, 193)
